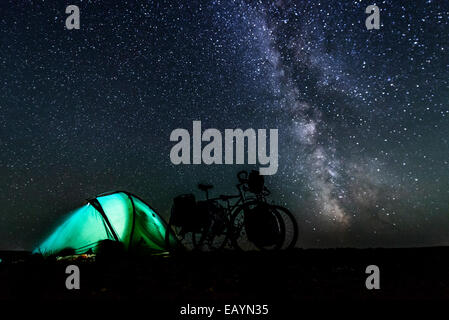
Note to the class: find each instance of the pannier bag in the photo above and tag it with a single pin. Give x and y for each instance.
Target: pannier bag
(183, 211)
(255, 182)
(211, 215)
(263, 228)
(190, 215)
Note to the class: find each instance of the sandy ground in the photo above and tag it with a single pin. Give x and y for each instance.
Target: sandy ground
(298, 276)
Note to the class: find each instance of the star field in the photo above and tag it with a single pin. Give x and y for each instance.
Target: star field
(363, 115)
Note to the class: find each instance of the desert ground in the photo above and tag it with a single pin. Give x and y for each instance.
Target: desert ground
(299, 276)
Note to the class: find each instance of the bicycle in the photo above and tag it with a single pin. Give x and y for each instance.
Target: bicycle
(249, 223)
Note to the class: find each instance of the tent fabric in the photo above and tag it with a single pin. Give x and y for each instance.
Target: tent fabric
(119, 216)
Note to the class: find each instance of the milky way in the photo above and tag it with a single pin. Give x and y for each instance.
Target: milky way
(362, 114)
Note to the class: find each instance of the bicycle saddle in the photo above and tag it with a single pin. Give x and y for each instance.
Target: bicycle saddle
(205, 187)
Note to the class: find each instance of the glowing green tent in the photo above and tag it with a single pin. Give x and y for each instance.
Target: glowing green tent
(118, 216)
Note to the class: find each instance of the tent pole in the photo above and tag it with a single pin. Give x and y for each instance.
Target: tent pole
(96, 204)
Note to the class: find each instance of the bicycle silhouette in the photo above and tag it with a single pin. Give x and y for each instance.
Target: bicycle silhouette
(245, 221)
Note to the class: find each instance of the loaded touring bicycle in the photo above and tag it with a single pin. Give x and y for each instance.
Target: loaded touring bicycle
(245, 221)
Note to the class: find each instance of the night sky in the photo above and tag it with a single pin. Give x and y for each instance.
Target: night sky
(363, 115)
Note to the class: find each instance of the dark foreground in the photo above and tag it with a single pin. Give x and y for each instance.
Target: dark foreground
(231, 277)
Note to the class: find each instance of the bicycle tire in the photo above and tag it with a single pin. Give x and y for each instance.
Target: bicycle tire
(172, 230)
(248, 245)
(201, 236)
(209, 238)
(294, 227)
(169, 231)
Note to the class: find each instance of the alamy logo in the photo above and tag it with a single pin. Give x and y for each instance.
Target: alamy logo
(72, 21)
(73, 280)
(212, 153)
(373, 280)
(373, 20)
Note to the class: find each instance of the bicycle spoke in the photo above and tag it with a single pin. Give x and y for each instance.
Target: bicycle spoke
(236, 225)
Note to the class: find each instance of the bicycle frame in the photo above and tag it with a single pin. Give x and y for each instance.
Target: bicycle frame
(242, 199)
(220, 221)
(218, 225)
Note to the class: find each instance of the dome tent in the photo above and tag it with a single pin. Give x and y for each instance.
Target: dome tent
(118, 215)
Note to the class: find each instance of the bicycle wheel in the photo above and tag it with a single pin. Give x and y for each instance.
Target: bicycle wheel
(213, 234)
(238, 229)
(208, 241)
(176, 238)
(291, 227)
